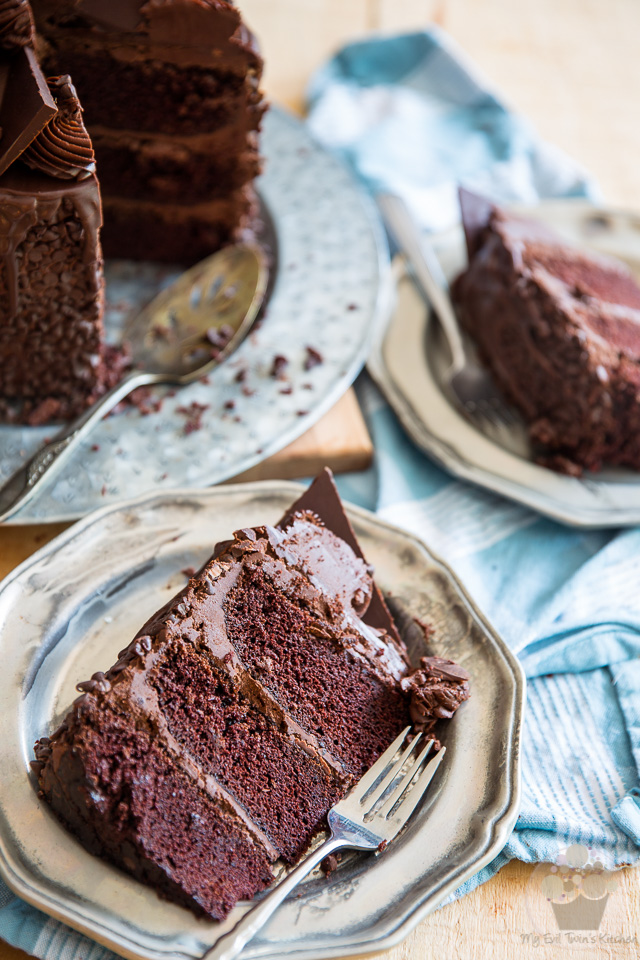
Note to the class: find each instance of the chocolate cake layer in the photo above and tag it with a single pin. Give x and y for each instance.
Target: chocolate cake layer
(559, 327)
(242, 711)
(173, 232)
(130, 803)
(183, 69)
(173, 169)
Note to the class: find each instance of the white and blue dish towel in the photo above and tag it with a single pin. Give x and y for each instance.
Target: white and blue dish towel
(411, 115)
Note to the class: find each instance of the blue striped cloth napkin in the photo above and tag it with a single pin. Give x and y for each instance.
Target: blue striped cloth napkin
(409, 113)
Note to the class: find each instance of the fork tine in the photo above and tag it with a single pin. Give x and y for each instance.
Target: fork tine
(416, 792)
(404, 783)
(393, 773)
(370, 777)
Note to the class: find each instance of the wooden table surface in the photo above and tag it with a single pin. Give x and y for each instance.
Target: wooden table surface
(573, 67)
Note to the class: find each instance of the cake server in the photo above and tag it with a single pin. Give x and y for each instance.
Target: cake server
(468, 383)
(371, 815)
(180, 336)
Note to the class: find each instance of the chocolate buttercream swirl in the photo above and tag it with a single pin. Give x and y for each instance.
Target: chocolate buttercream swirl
(16, 24)
(63, 148)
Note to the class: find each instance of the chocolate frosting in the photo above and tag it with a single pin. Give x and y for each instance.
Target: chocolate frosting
(16, 24)
(63, 148)
(437, 688)
(323, 499)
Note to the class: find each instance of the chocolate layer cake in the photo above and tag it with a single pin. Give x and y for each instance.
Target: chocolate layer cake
(51, 284)
(241, 712)
(170, 90)
(560, 330)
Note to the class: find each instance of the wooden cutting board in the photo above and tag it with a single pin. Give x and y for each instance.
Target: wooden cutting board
(339, 440)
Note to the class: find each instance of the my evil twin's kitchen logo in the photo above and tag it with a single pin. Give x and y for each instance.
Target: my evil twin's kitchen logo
(567, 900)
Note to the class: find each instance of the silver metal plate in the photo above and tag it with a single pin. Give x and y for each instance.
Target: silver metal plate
(331, 285)
(67, 611)
(408, 360)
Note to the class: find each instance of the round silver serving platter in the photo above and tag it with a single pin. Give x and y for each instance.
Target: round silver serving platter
(331, 284)
(70, 608)
(409, 358)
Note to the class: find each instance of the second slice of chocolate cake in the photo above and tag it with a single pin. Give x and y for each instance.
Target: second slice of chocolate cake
(241, 712)
(559, 328)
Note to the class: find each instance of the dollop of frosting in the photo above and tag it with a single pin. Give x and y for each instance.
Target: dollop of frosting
(16, 24)
(63, 148)
(437, 688)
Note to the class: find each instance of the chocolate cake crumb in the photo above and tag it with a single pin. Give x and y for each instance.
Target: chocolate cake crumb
(193, 413)
(313, 359)
(330, 863)
(278, 366)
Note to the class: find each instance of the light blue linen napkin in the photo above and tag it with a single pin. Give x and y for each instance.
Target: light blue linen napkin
(410, 115)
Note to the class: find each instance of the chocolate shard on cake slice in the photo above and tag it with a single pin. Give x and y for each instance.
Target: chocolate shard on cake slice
(559, 328)
(240, 713)
(172, 101)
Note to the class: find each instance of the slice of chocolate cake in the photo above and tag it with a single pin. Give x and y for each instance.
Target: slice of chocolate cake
(559, 328)
(241, 712)
(171, 95)
(52, 360)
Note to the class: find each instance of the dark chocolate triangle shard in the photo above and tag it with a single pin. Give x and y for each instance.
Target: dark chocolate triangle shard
(323, 499)
(26, 105)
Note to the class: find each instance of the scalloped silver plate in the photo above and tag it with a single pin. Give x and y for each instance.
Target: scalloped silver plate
(331, 285)
(66, 612)
(408, 360)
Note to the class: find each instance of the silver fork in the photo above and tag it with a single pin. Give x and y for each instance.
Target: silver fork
(368, 818)
(469, 384)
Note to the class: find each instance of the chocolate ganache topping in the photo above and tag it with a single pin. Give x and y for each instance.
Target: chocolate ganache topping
(16, 24)
(437, 688)
(63, 148)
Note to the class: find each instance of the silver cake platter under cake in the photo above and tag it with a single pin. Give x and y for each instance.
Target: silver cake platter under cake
(409, 359)
(331, 285)
(72, 606)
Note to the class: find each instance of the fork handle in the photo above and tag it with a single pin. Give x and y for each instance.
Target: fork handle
(426, 270)
(230, 945)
